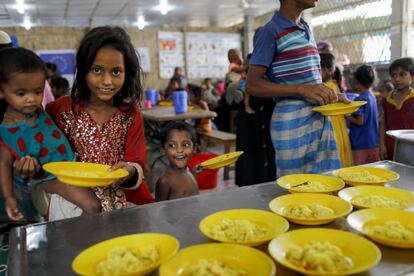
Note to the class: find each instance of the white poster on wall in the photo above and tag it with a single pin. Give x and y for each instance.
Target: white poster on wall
(170, 52)
(207, 53)
(144, 59)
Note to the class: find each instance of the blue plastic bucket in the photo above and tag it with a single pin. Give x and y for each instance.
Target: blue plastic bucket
(180, 99)
(152, 95)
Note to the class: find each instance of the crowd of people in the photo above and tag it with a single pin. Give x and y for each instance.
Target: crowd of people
(273, 92)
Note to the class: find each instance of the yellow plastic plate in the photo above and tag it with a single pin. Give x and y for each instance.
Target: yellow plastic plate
(250, 260)
(85, 263)
(364, 254)
(339, 108)
(387, 175)
(274, 223)
(221, 160)
(295, 183)
(362, 219)
(352, 193)
(282, 203)
(84, 174)
(165, 103)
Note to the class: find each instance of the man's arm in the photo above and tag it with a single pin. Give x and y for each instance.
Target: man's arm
(258, 85)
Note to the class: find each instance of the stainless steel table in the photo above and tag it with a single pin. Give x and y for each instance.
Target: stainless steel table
(49, 248)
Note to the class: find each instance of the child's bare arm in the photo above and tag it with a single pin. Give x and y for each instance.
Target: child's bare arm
(357, 120)
(85, 198)
(6, 184)
(162, 189)
(240, 69)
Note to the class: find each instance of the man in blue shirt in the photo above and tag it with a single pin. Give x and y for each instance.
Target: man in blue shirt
(285, 64)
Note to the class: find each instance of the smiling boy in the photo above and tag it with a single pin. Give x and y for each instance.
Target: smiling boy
(178, 141)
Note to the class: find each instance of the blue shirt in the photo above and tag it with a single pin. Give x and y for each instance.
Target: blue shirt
(367, 135)
(288, 51)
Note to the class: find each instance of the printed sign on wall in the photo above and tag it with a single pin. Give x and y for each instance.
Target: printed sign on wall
(170, 52)
(144, 59)
(207, 53)
(64, 60)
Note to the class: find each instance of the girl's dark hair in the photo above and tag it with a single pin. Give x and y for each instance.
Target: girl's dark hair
(327, 60)
(406, 64)
(180, 126)
(118, 39)
(17, 60)
(365, 75)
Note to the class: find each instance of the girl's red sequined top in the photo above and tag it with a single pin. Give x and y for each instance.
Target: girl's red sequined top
(119, 139)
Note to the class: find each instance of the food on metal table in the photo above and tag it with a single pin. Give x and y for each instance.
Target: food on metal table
(379, 201)
(322, 257)
(309, 186)
(309, 211)
(239, 230)
(361, 176)
(208, 267)
(393, 230)
(122, 260)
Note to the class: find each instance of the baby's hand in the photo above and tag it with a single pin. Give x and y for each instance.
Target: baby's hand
(26, 166)
(11, 209)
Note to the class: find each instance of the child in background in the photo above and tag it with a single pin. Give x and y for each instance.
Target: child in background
(204, 124)
(173, 85)
(385, 88)
(178, 141)
(399, 105)
(242, 84)
(210, 95)
(364, 129)
(60, 86)
(27, 131)
(236, 67)
(328, 70)
(182, 80)
(220, 87)
(101, 118)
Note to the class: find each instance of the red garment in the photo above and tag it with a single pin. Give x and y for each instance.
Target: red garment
(119, 139)
(365, 156)
(398, 116)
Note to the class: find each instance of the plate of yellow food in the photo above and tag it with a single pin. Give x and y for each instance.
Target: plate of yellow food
(250, 227)
(390, 227)
(165, 103)
(310, 209)
(136, 254)
(366, 196)
(221, 160)
(366, 175)
(219, 259)
(323, 251)
(310, 183)
(339, 108)
(84, 174)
